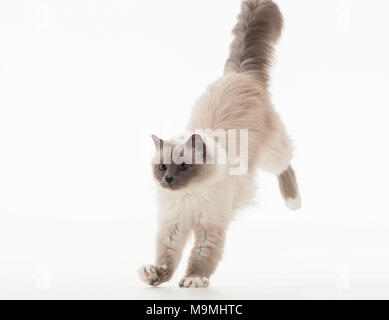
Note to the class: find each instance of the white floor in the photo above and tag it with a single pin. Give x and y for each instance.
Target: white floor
(251, 289)
(99, 261)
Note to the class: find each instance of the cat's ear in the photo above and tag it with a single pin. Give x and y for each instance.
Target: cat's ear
(159, 143)
(197, 146)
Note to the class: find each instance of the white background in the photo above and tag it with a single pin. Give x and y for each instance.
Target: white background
(83, 84)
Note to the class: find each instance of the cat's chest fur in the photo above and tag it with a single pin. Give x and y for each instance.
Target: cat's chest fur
(192, 207)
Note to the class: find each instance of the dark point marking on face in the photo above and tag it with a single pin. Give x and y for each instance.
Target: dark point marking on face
(174, 176)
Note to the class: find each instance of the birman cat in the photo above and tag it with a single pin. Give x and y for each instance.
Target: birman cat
(199, 189)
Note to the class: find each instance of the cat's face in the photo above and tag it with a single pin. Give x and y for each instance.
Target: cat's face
(176, 167)
(173, 176)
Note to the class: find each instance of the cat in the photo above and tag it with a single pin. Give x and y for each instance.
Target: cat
(195, 192)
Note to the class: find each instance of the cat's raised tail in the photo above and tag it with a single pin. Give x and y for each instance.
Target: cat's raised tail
(258, 29)
(289, 189)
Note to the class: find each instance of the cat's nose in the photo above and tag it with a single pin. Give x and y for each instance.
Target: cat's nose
(168, 179)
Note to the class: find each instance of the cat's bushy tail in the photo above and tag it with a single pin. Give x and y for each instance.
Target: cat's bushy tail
(258, 29)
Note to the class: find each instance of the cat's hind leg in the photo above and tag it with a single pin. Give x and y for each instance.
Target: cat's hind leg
(289, 189)
(275, 156)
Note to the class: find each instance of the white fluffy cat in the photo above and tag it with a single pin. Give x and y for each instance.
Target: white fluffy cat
(203, 196)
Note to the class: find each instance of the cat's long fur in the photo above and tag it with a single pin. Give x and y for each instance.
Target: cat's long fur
(206, 205)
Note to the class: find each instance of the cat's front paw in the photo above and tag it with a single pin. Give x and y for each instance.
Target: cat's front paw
(194, 282)
(153, 275)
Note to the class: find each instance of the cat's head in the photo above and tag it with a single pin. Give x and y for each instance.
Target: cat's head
(182, 164)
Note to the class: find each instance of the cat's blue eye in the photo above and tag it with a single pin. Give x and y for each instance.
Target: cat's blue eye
(162, 167)
(183, 167)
